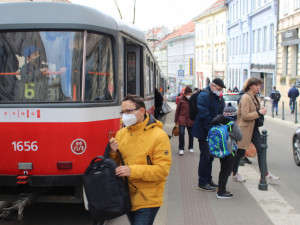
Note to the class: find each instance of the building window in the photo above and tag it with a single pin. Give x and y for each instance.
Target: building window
(297, 4)
(208, 56)
(223, 55)
(237, 10)
(272, 37)
(208, 29)
(198, 56)
(253, 41)
(202, 56)
(286, 7)
(259, 40)
(222, 28)
(287, 60)
(217, 55)
(265, 38)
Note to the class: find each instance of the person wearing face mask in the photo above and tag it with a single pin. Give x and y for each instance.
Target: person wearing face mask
(146, 151)
(182, 118)
(34, 76)
(210, 103)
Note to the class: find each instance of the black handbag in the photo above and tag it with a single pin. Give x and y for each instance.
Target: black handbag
(259, 122)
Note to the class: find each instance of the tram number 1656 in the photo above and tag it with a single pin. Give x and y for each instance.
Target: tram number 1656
(25, 146)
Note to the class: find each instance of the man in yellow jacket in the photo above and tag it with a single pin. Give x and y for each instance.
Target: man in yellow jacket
(146, 151)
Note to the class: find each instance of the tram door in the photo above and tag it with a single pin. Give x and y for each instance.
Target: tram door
(132, 69)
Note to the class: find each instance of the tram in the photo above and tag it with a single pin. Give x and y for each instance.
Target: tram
(64, 69)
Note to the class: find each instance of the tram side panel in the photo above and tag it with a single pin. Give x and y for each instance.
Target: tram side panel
(49, 149)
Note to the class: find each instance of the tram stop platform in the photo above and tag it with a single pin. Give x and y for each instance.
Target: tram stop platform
(184, 204)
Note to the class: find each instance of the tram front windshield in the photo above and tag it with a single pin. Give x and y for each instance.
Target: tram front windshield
(47, 66)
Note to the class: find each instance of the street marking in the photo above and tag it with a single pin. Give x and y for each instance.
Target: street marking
(273, 204)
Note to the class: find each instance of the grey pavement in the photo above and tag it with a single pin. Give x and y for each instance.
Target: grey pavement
(284, 115)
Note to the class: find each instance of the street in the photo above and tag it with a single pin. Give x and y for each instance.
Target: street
(185, 204)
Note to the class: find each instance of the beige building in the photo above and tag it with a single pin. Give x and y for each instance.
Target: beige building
(210, 44)
(288, 47)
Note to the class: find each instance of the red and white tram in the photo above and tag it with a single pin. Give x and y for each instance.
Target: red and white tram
(64, 69)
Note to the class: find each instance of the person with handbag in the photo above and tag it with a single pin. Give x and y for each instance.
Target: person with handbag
(249, 118)
(146, 150)
(182, 118)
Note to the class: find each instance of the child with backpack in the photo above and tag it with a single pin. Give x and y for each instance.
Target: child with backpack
(234, 135)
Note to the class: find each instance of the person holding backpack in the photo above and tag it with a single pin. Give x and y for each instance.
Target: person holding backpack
(209, 104)
(182, 118)
(275, 97)
(146, 150)
(234, 135)
(249, 110)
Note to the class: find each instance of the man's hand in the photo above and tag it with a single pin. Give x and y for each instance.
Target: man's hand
(123, 171)
(114, 145)
(45, 72)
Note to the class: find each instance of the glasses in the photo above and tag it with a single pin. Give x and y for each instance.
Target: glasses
(128, 111)
(218, 89)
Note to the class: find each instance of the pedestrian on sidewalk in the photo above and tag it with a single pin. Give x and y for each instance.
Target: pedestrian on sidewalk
(183, 119)
(293, 94)
(235, 89)
(249, 110)
(209, 105)
(235, 135)
(275, 98)
(146, 151)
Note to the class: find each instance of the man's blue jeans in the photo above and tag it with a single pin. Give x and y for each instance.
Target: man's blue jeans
(205, 164)
(144, 216)
(275, 106)
(292, 103)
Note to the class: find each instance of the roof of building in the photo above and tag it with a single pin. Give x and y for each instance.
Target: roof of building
(216, 5)
(185, 29)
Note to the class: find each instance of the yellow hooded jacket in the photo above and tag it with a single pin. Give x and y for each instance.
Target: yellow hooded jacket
(146, 149)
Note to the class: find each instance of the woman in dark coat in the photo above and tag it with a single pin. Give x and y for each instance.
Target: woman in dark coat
(183, 119)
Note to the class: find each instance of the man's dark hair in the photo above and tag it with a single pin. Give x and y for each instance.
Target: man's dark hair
(138, 101)
(251, 81)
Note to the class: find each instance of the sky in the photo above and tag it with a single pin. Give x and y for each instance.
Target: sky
(151, 13)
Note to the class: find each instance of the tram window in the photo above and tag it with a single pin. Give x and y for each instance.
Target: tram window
(131, 73)
(99, 82)
(148, 74)
(40, 66)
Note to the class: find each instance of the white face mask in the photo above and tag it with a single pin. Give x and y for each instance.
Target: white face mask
(129, 119)
(217, 93)
(188, 96)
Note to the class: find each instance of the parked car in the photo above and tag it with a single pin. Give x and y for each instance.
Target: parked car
(232, 97)
(296, 146)
(172, 97)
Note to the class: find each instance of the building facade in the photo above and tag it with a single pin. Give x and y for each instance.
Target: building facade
(251, 36)
(210, 44)
(288, 46)
(180, 44)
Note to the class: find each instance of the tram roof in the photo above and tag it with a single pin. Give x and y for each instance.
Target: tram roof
(53, 15)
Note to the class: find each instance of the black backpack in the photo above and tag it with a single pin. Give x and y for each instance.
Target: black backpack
(277, 96)
(107, 195)
(193, 110)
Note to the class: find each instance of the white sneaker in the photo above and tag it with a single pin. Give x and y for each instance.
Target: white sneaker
(237, 177)
(181, 152)
(191, 150)
(270, 177)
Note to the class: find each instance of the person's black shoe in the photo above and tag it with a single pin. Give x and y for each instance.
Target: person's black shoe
(211, 183)
(246, 160)
(225, 195)
(206, 187)
(292, 111)
(276, 113)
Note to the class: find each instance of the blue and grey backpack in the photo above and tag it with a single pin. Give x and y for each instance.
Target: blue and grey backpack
(217, 140)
